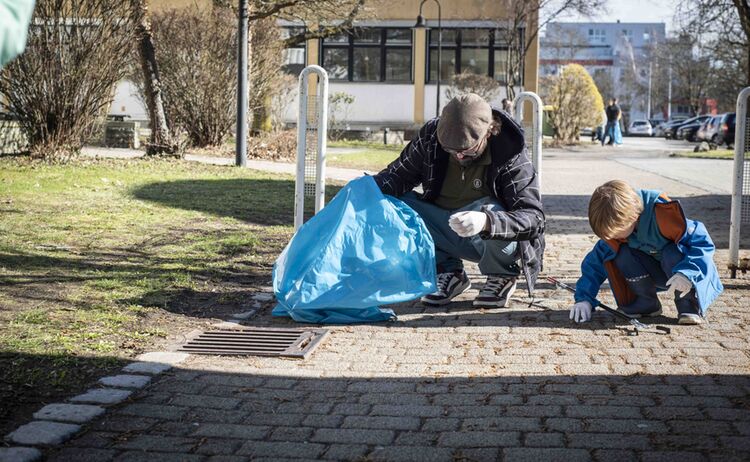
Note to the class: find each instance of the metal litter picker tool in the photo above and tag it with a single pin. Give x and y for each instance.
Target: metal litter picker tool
(638, 326)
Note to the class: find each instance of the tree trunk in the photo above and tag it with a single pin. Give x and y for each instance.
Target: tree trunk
(743, 10)
(161, 140)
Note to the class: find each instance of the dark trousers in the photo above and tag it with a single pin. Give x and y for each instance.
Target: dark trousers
(645, 275)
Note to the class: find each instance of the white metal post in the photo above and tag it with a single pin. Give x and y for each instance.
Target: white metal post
(737, 181)
(536, 126)
(320, 118)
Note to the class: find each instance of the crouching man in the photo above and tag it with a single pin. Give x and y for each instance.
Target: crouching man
(480, 199)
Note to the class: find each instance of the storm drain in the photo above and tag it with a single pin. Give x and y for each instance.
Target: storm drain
(256, 341)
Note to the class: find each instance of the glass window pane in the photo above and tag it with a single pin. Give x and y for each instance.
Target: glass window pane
(398, 65)
(367, 35)
(448, 37)
(448, 63)
(366, 64)
(293, 60)
(503, 36)
(502, 58)
(338, 38)
(475, 60)
(475, 37)
(336, 62)
(398, 36)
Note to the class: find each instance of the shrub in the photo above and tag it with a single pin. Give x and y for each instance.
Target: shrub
(575, 100)
(467, 82)
(63, 83)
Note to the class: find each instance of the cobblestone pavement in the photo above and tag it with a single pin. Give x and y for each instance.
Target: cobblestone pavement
(461, 384)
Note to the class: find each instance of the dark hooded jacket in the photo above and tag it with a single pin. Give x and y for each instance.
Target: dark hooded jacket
(513, 180)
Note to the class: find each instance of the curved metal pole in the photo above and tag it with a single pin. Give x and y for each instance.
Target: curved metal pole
(740, 148)
(536, 126)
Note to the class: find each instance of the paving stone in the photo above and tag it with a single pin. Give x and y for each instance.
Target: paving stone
(291, 434)
(20, 454)
(537, 454)
(615, 455)
(155, 410)
(160, 443)
(126, 381)
(214, 446)
(479, 439)
(279, 449)
(82, 455)
(75, 413)
(346, 452)
(353, 436)
(139, 456)
(603, 440)
(544, 440)
(214, 402)
(503, 424)
(166, 357)
(667, 456)
(385, 423)
(411, 454)
(43, 433)
(248, 432)
(102, 396)
(143, 367)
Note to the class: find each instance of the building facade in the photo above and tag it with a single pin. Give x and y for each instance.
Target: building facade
(388, 66)
(617, 55)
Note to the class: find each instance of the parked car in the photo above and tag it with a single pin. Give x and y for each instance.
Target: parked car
(688, 129)
(640, 127)
(708, 129)
(725, 130)
(669, 128)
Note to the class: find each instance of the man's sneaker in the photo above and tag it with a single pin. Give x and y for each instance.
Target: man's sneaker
(689, 319)
(449, 285)
(496, 291)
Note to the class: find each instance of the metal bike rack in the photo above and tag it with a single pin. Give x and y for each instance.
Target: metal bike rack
(312, 132)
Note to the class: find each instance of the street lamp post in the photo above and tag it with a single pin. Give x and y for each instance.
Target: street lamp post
(421, 24)
(242, 36)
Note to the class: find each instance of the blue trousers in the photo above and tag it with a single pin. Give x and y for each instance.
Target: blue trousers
(646, 275)
(495, 257)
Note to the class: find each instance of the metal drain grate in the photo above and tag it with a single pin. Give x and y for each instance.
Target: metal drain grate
(256, 341)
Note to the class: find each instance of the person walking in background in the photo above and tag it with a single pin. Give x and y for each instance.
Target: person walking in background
(507, 105)
(612, 130)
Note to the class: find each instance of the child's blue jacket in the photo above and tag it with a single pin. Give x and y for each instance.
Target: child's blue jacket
(661, 222)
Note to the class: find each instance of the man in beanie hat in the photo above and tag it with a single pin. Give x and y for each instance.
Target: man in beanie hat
(480, 200)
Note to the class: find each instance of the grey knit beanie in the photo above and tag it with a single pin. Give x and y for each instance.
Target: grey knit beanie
(463, 122)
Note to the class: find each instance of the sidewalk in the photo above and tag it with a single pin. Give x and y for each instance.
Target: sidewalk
(459, 383)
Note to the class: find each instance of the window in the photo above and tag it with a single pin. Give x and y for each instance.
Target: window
(293, 58)
(479, 51)
(369, 54)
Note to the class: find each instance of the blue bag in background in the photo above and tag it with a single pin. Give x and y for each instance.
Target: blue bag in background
(362, 250)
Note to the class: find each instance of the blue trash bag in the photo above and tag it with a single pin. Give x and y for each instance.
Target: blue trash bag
(362, 250)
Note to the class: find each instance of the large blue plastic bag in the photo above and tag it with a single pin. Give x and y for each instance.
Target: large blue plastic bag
(362, 250)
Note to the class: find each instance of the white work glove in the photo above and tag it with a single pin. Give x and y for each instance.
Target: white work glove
(679, 283)
(581, 312)
(467, 224)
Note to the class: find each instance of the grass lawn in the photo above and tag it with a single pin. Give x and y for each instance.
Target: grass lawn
(718, 154)
(102, 260)
(372, 160)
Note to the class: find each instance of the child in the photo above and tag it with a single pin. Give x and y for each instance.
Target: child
(646, 245)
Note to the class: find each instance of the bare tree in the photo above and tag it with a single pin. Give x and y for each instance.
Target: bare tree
(468, 82)
(161, 141)
(526, 19)
(62, 85)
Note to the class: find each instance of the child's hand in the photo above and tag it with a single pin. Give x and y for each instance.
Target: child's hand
(581, 312)
(679, 283)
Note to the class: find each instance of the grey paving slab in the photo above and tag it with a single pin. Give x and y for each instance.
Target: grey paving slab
(165, 357)
(143, 367)
(20, 454)
(126, 381)
(102, 396)
(62, 412)
(43, 433)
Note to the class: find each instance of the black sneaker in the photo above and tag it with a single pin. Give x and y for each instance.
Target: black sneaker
(449, 285)
(496, 291)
